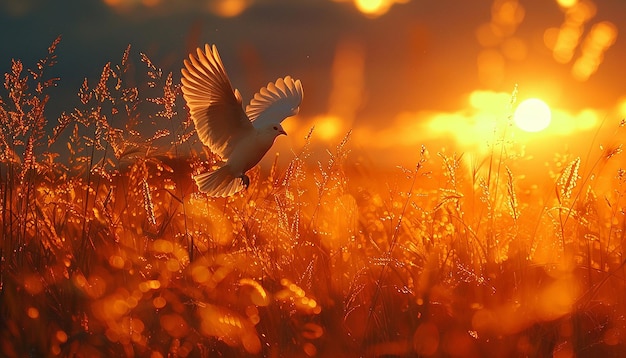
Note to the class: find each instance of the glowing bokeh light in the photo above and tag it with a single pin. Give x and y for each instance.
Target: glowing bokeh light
(112, 2)
(600, 38)
(566, 3)
(514, 49)
(498, 39)
(564, 41)
(507, 14)
(229, 8)
(488, 35)
(327, 127)
(371, 6)
(532, 115)
(32, 312)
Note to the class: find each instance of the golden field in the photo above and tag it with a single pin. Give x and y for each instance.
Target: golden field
(107, 248)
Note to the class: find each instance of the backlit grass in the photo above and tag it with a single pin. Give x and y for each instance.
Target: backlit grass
(107, 248)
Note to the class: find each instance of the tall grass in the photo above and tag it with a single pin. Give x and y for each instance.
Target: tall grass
(108, 249)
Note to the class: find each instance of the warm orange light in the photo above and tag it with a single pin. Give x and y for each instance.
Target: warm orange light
(229, 8)
(604, 34)
(426, 339)
(473, 127)
(33, 285)
(372, 7)
(507, 13)
(558, 298)
(515, 49)
(112, 2)
(116, 261)
(621, 107)
(581, 12)
(61, 336)
(174, 324)
(600, 38)
(489, 35)
(348, 73)
(229, 326)
(566, 42)
(565, 123)
(159, 302)
(566, 3)
(32, 312)
(259, 296)
(506, 16)
(566, 39)
(532, 115)
(347, 92)
(327, 127)
(491, 67)
(550, 37)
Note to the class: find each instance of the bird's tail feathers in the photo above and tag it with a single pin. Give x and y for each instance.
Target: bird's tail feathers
(219, 183)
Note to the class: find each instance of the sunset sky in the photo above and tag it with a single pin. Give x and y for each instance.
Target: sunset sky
(406, 72)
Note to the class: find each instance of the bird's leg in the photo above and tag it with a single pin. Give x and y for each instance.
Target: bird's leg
(245, 180)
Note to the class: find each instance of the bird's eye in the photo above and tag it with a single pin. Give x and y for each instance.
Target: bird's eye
(275, 128)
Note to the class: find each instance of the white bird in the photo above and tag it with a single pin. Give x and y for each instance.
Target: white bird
(240, 138)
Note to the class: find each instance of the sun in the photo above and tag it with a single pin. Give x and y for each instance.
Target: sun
(532, 115)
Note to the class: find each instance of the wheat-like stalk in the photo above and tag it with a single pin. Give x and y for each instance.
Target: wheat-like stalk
(512, 195)
(567, 180)
(147, 202)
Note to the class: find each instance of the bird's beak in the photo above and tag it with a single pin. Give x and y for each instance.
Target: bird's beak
(282, 131)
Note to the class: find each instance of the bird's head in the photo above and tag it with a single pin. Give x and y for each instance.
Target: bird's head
(273, 130)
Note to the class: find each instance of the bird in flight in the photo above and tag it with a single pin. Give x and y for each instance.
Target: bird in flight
(241, 138)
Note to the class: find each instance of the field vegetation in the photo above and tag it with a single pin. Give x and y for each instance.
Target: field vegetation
(107, 249)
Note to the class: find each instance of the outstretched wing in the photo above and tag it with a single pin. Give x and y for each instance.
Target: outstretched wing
(215, 107)
(275, 102)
